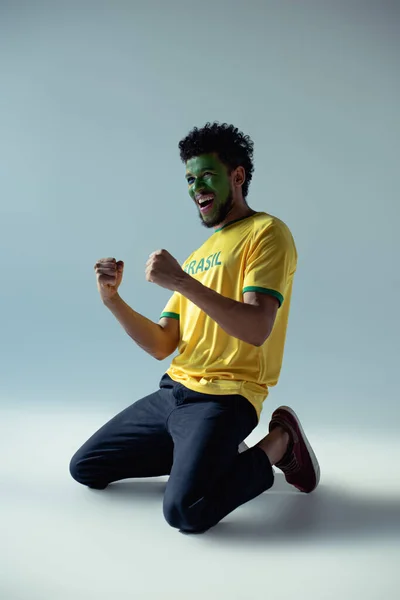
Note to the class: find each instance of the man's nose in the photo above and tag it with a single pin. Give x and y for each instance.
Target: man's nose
(198, 185)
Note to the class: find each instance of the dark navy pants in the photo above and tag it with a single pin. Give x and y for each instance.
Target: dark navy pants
(189, 436)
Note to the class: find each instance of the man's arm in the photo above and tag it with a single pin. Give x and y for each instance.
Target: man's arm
(250, 321)
(157, 339)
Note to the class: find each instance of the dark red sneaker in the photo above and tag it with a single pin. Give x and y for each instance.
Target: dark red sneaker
(299, 465)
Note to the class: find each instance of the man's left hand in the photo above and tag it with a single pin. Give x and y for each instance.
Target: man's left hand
(164, 270)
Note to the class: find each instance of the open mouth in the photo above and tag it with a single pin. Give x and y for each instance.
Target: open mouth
(205, 202)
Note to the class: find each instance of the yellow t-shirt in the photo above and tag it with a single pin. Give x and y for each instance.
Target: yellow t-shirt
(256, 253)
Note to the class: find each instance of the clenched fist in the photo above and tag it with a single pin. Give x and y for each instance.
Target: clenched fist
(164, 270)
(109, 276)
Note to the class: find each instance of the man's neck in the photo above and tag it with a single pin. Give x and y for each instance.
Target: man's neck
(236, 215)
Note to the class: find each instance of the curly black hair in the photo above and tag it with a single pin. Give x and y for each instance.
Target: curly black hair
(233, 148)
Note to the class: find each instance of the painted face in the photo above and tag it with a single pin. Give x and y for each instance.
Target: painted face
(210, 187)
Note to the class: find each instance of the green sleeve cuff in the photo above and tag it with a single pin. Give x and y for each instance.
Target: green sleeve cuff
(261, 290)
(169, 315)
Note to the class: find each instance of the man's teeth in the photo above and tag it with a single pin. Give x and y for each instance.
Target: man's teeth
(205, 199)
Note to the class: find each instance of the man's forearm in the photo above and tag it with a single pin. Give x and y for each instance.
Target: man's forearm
(148, 335)
(238, 319)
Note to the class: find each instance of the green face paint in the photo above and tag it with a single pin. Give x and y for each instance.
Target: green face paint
(210, 187)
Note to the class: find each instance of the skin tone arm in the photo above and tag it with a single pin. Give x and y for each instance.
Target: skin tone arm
(157, 339)
(250, 321)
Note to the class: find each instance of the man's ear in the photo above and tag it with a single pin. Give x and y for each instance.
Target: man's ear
(239, 176)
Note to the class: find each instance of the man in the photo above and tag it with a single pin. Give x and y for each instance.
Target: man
(227, 316)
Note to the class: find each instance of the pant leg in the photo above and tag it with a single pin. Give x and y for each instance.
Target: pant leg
(135, 443)
(209, 479)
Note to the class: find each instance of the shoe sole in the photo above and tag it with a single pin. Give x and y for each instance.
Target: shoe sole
(242, 447)
(310, 451)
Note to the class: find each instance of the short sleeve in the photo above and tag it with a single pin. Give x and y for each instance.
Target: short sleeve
(172, 309)
(271, 261)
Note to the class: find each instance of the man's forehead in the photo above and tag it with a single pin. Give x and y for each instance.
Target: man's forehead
(204, 161)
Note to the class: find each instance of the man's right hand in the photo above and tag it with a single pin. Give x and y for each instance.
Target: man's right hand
(109, 274)
(157, 339)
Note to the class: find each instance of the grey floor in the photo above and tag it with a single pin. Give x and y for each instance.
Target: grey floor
(61, 541)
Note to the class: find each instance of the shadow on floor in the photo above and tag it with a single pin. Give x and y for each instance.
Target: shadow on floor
(283, 514)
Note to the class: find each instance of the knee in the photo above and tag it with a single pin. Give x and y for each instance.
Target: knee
(79, 469)
(75, 469)
(180, 515)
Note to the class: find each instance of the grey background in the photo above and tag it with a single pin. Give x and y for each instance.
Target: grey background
(95, 96)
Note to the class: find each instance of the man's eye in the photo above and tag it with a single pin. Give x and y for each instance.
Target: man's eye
(207, 173)
(190, 180)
